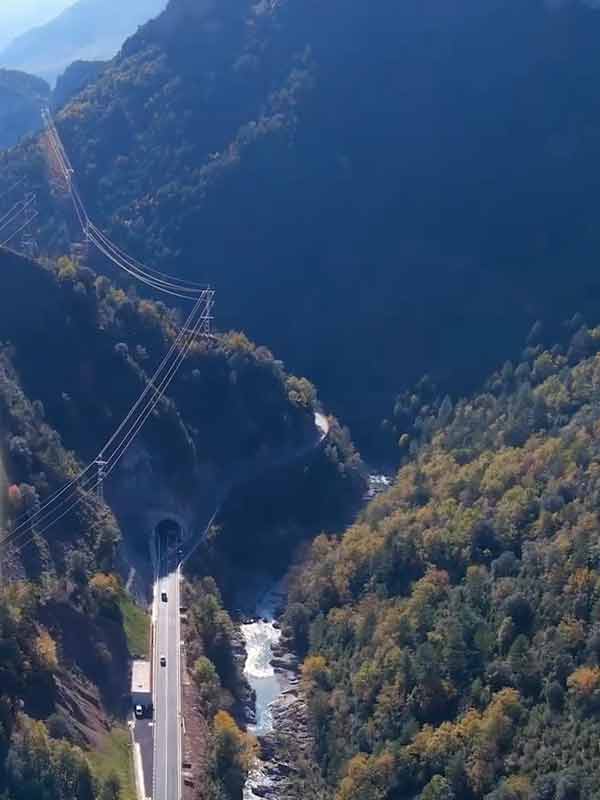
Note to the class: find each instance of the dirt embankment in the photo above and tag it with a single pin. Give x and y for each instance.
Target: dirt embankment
(80, 702)
(195, 733)
(93, 650)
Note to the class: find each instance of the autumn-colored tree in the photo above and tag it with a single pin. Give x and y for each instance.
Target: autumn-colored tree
(315, 673)
(584, 683)
(235, 752)
(45, 649)
(105, 586)
(367, 778)
(67, 269)
(456, 623)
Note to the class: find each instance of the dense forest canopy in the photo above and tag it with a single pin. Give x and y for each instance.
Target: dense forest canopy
(414, 180)
(231, 404)
(452, 634)
(76, 353)
(378, 191)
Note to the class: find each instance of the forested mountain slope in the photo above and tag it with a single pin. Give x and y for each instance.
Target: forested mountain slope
(75, 78)
(21, 99)
(76, 354)
(392, 176)
(453, 633)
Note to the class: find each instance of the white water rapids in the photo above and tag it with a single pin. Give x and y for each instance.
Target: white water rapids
(260, 637)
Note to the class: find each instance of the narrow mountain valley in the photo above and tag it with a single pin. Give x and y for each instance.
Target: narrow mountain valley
(300, 402)
(98, 349)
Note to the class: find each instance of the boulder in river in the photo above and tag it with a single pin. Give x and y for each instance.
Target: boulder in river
(287, 662)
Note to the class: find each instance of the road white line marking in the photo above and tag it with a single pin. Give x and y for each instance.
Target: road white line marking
(155, 609)
(166, 726)
(178, 659)
(139, 770)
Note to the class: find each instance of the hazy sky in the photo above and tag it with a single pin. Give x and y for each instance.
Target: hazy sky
(17, 16)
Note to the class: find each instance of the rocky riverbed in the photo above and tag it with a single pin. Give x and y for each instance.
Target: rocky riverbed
(275, 712)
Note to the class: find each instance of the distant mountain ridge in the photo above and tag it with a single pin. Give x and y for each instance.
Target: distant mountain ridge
(19, 16)
(88, 30)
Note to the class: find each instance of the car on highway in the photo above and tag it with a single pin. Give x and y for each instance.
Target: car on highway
(163, 661)
(163, 597)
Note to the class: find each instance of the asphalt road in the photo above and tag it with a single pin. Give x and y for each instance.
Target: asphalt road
(143, 735)
(167, 637)
(167, 679)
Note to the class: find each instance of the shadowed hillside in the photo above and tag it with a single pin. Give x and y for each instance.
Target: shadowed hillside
(21, 99)
(413, 182)
(76, 354)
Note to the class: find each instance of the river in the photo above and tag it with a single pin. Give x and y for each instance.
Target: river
(260, 637)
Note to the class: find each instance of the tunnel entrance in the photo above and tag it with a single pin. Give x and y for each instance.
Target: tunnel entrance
(168, 543)
(169, 535)
(169, 530)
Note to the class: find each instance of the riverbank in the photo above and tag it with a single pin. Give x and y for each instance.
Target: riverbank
(275, 712)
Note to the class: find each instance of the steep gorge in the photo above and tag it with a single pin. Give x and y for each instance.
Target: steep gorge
(76, 354)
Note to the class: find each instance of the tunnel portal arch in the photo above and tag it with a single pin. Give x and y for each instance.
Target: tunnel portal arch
(168, 527)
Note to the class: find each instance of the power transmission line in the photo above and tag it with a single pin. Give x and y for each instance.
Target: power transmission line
(108, 458)
(198, 322)
(12, 188)
(151, 385)
(27, 222)
(22, 209)
(160, 281)
(15, 209)
(108, 465)
(18, 209)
